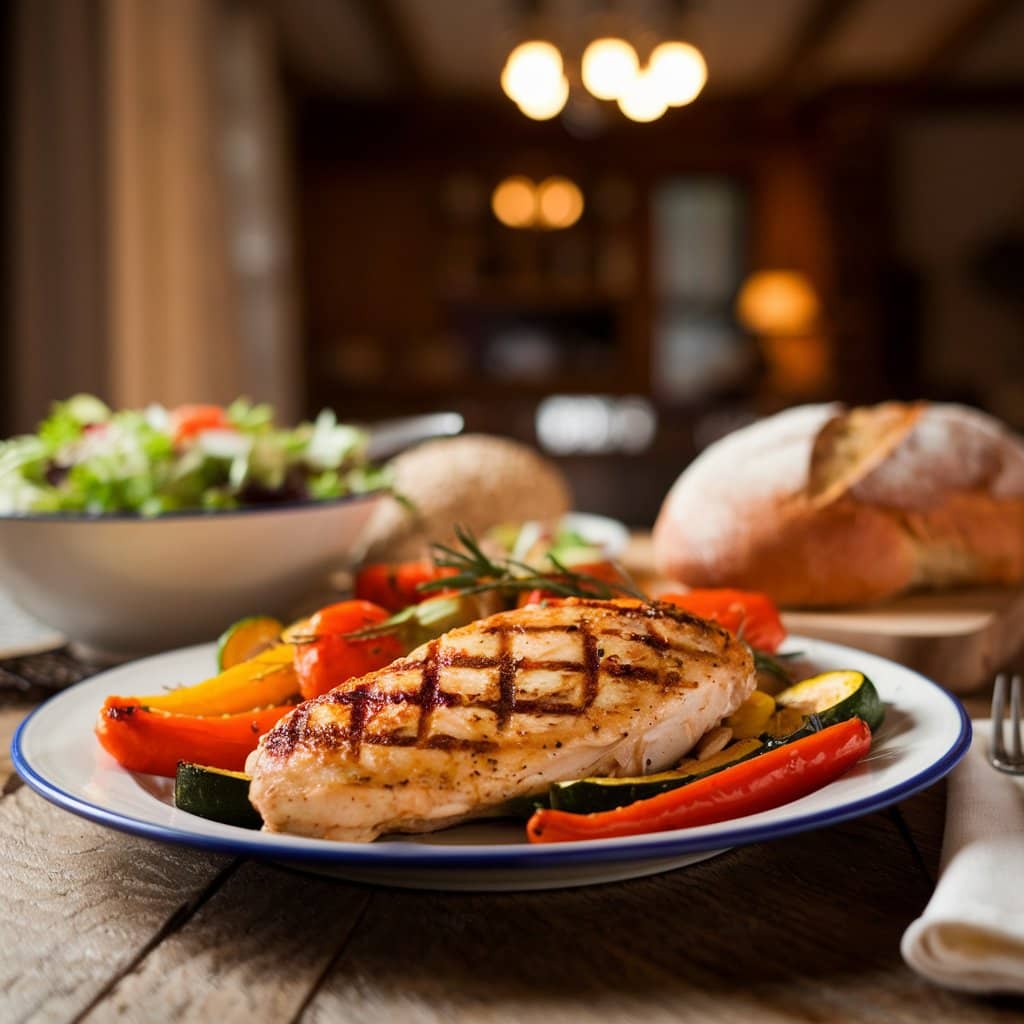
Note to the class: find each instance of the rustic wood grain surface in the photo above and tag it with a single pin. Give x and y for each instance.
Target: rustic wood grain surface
(96, 926)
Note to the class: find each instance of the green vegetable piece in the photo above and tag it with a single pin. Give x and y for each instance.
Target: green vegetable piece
(215, 794)
(246, 638)
(586, 796)
(835, 697)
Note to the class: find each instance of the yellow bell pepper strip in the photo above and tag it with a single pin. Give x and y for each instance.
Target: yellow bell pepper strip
(751, 718)
(766, 781)
(144, 740)
(266, 680)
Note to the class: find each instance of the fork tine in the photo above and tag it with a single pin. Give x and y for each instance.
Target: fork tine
(998, 710)
(1015, 722)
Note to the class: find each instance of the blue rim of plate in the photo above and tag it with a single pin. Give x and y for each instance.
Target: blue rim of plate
(423, 856)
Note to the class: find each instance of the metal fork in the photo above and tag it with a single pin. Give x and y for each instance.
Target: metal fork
(1012, 762)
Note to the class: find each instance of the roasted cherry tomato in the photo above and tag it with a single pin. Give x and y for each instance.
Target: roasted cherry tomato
(747, 613)
(329, 654)
(189, 420)
(397, 586)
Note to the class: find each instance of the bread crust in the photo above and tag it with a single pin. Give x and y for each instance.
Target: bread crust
(819, 506)
(475, 480)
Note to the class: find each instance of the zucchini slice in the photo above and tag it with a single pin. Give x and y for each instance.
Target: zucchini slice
(835, 697)
(585, 796)
(216, 794)
(788, 723)
(245, 639)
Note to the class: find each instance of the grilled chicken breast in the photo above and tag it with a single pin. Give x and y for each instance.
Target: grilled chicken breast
(496, 710)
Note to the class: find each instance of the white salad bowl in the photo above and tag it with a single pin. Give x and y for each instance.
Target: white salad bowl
(119, 586)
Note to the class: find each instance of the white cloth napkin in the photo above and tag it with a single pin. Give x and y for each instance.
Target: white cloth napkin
(971, 934)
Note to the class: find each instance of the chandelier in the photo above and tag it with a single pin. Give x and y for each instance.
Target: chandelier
(536, 76)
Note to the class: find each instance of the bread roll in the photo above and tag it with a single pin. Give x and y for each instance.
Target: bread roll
(824, 506)
(475, 480)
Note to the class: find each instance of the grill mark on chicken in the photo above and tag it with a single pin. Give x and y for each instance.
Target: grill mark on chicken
(429, 689)
(591, 665)
(357, 721)
(289, 733)
(616, 668)
(507, 669)
(453, 660)
(430, 696)
(649, 639)
(645, 611)
(488, 713)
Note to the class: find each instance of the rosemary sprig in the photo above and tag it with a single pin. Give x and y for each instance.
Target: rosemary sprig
(477, 573)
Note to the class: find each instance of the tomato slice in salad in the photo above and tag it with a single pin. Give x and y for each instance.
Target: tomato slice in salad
(747, 613)
(189, 420)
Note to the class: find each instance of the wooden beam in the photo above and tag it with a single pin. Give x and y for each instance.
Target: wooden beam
(974, 22)
(818, 24)
(54, 248)
(396, 42)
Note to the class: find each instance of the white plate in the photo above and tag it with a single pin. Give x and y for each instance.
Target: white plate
(925, 733)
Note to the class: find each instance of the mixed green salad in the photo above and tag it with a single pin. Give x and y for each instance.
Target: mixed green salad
(535, 543)
(86, 458)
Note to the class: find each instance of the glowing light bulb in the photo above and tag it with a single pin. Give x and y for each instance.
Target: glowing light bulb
(559, 202)
(643, 101)
(680, 72)
(514, 202)
(544, 106)
(778, 302)
(532, 72)
(609, 67)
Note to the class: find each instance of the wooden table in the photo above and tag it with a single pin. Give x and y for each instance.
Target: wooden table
(96, 926)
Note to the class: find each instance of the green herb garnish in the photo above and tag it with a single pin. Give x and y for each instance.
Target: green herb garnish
(478, 573)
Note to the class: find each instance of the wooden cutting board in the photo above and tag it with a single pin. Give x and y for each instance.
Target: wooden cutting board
(958, 638)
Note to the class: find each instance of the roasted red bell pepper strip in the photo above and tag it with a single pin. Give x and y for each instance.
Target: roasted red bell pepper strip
(766, 781)
(155, 741)
(747, 613)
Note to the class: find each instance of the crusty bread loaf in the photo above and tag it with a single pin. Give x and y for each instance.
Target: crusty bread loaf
(476, 481)
(824, 506)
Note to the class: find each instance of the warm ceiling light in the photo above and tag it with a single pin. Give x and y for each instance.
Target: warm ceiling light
(643, 100)
(546, 106)
(609, 66)
(514, 202)
(560, 202)
(680, 71)
(778, 302)
(533, 72)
